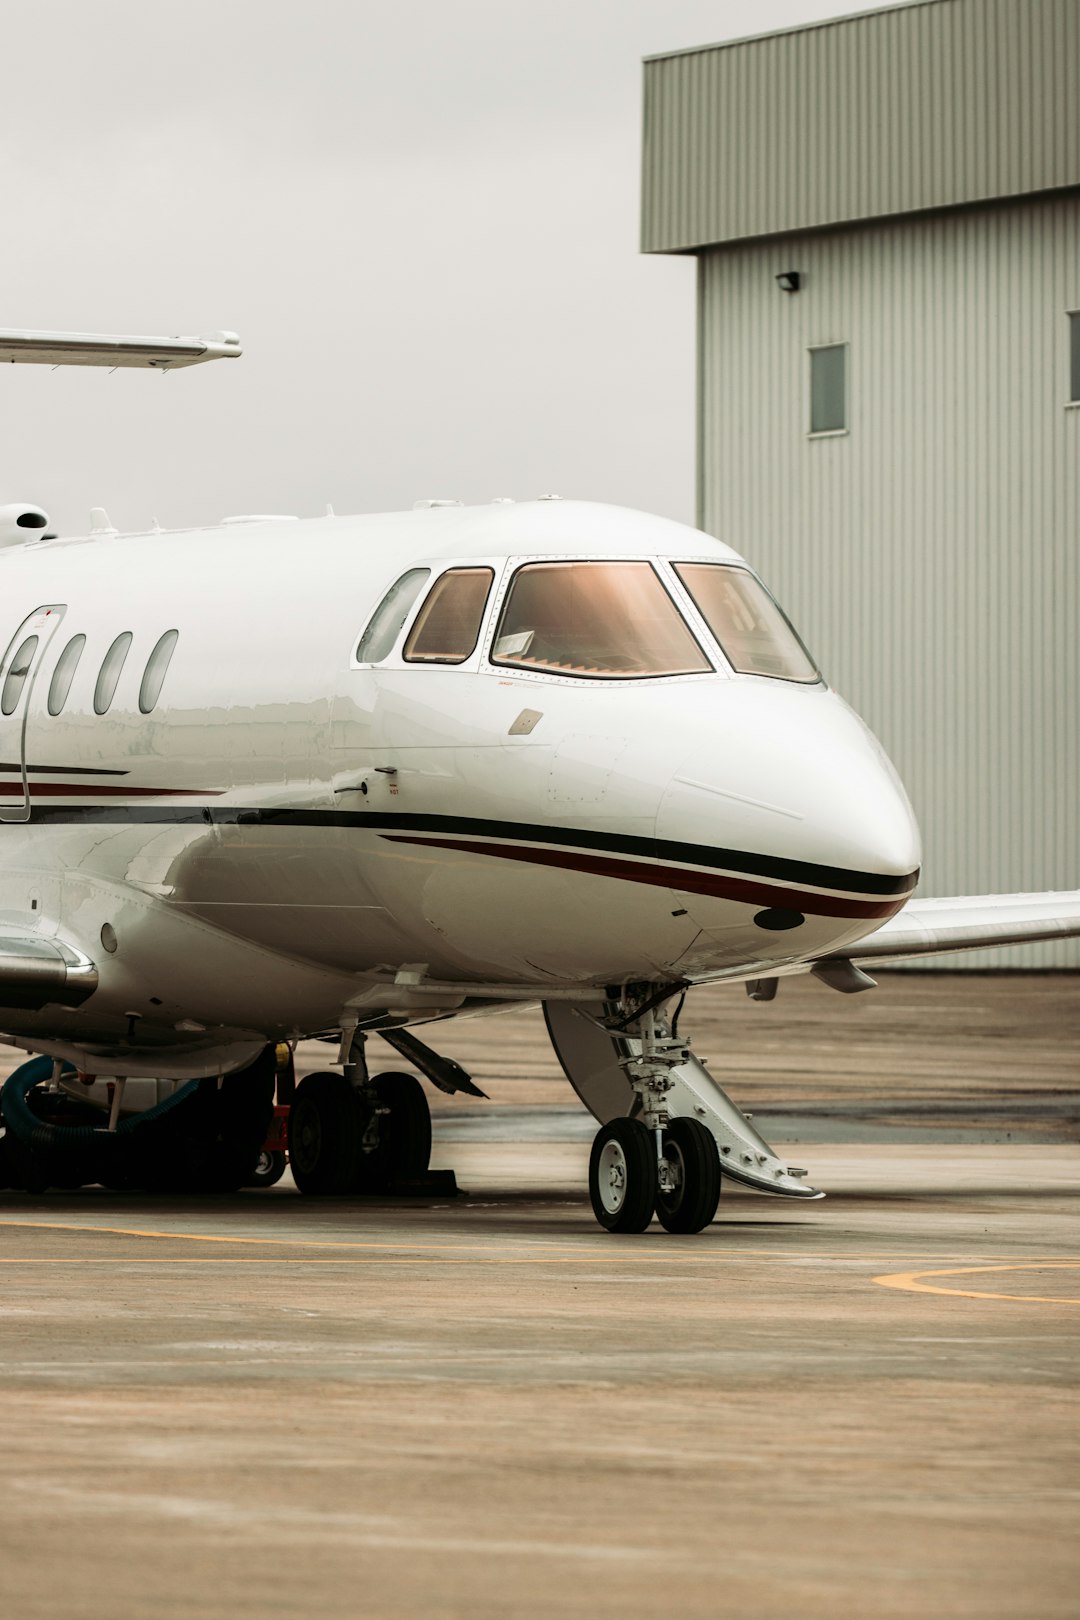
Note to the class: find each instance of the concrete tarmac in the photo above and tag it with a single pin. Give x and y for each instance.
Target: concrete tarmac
(487, 1407)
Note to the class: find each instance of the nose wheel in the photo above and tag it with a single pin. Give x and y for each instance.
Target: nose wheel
(623, 1176)
(627, 1183)
(689, 1177)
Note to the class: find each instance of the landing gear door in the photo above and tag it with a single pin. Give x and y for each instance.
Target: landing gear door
(23, 658)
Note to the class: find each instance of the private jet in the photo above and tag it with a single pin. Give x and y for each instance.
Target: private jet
(280, 779)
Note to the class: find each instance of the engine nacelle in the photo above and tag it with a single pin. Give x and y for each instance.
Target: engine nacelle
(20, 522)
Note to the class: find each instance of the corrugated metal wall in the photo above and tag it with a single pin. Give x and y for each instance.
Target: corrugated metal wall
(926, 106)
(931, 556)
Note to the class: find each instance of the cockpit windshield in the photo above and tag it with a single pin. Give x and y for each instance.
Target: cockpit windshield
(612, 620)
(754, 634)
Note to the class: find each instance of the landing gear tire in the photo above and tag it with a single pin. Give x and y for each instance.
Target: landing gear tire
(269, 1168)
(623, 1176)
(326, 1128)
(689, 1188)
(403, 1149)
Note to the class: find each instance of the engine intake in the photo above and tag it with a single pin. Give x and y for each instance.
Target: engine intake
(20, 522)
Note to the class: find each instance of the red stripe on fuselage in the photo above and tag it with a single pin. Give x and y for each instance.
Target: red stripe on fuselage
(715, 884)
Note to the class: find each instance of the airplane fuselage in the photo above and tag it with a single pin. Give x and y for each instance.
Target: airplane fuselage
(292, 830)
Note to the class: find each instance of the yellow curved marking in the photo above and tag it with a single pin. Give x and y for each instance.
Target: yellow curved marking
(911, 1281)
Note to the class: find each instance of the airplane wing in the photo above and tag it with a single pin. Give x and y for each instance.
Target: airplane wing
(96, 349)
(968, 923)
(37, 972)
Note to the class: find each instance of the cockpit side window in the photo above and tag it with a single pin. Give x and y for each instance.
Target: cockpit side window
(611, 620)
(448, 625)
(754, 634)
(386, 622)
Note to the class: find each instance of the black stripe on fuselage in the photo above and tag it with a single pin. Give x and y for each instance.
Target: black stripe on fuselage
(779, 868)
(60, 770)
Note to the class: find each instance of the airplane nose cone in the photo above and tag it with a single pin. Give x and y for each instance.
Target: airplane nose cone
(795, 799)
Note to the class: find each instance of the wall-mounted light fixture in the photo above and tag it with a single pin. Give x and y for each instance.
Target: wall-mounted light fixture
(789, 280)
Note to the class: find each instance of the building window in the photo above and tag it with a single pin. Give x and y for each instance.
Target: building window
(828, 389)
(156, 670)
(110, 673)
(65, 674)
(1074, 357)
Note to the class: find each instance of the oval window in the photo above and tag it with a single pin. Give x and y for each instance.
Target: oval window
(385, 627)
(157, 666)
(16, 676)
(448, 625)
(64, 674)
(110, 672)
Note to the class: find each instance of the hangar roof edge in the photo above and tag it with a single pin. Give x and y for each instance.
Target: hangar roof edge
(793, 28)
(906, 109)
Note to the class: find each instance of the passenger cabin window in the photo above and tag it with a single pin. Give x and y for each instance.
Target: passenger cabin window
(1074, 357)
(385, 627)
(156, 669)
(64, 674)
(613, 621)
(828, 389)
(754, 634)
(447, 627)
(105, 689)
(15, 679)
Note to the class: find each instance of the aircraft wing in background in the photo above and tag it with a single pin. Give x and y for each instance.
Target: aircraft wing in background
(96, 349)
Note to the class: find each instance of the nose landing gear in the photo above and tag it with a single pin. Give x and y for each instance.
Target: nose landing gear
(624, 1059)
(649, 1161)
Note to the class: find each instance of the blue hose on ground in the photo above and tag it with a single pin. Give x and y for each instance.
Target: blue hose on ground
(30, 1131)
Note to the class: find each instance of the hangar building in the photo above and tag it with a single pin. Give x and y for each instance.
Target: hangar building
(885, 210)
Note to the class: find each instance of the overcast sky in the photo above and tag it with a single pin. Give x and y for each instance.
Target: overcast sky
(421, 217)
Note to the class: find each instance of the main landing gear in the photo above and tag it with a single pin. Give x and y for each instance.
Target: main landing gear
(354, 1133)
(358, 1138)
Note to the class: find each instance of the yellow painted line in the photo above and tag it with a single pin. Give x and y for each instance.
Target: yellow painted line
(285, 1243)
(912, 1281)
(605, 1257)
(663, 1251)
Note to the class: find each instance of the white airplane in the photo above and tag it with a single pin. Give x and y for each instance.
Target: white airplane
(276, 779)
